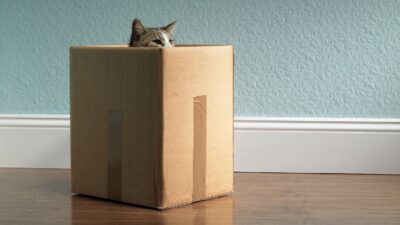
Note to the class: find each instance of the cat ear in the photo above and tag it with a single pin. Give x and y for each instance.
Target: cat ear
(170, 27)
(138, 27)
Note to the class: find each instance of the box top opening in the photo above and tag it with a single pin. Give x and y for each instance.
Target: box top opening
(147, 48)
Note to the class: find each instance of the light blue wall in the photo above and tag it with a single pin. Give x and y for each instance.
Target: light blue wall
(322, 58)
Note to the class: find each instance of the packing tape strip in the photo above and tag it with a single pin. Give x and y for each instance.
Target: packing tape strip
(199, 147)
(114, 166)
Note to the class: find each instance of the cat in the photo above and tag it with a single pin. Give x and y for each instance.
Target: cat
(151, 37)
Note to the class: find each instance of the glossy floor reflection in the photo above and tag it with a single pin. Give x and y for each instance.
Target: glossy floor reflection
(38, 196)
(215, 211)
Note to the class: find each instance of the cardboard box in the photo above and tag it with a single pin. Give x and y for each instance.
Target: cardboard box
(152, 126)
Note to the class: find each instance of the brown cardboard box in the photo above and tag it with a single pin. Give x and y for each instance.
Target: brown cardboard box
(152, 126)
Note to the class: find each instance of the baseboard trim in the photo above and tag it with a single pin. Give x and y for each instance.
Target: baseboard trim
(262, 144)
(317, 124)
(317, 145)
(34, 141)
(34, 121)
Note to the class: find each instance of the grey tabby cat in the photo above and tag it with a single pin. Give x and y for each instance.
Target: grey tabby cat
(151, 37)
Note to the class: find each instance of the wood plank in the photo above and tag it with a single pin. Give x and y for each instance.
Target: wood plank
(41, 196)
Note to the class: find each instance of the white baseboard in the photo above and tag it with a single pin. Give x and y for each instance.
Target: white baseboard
(34, 141)
(316, 145)
(301, 145)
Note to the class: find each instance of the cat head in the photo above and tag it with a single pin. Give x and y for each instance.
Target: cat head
(151, 37)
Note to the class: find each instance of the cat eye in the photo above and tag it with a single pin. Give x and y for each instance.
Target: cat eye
(157, 42)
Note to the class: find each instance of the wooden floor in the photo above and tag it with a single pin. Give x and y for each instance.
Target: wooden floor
(38, 196)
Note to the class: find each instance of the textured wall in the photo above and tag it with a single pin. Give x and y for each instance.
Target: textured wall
(322, 58)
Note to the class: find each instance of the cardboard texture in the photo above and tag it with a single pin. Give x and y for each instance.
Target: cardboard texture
(152, 126)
